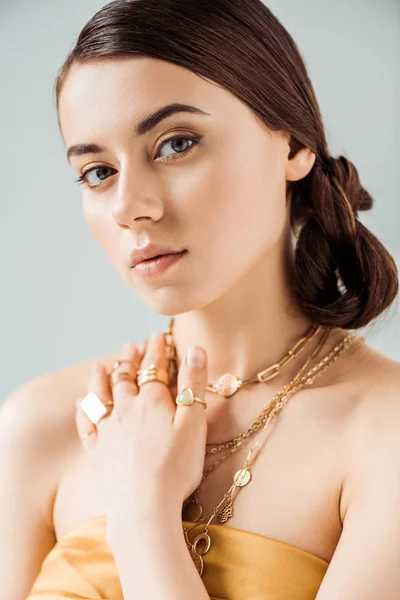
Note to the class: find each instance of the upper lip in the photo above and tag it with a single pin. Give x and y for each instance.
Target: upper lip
(150, 251)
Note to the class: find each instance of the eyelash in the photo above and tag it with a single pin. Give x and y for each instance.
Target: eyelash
(82, 179)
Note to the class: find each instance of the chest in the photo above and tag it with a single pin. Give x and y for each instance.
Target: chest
(293, 494)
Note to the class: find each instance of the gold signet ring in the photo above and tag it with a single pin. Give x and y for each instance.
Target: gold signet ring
(93, 407)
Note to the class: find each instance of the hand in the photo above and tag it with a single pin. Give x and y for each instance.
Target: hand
(147, 450)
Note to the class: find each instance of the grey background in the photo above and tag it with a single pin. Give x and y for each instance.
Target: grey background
(62, 302)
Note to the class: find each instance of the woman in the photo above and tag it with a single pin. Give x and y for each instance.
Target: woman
(196, 135)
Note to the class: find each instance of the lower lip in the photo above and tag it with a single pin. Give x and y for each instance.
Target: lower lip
(157, 266)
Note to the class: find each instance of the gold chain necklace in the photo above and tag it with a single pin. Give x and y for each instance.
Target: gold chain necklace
(229, 384)
(262, 377)
(243, 475)
(236, 442)
(261, 419)
(217, 447)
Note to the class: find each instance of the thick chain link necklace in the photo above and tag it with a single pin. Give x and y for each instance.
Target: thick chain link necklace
(229, 384)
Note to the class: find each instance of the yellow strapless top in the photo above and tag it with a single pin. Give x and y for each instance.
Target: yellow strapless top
(239, 565)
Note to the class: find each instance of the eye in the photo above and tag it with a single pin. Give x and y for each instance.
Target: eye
(178, 141)
(94, 176)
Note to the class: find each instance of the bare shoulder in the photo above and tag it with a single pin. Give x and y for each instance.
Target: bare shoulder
(373, 431)
(370, 498)
(48, 399)
(38, 419)
(381, 385)
(38, 437)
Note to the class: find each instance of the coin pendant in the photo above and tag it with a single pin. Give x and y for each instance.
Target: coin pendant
(193, 512)
(242, 477)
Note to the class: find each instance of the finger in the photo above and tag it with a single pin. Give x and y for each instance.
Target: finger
(192, 374)
(124, 390)
(99, 384)
(87, 431)
(156, 354)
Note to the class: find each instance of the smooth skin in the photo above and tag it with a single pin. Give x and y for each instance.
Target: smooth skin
(333, 458)
(162, 444)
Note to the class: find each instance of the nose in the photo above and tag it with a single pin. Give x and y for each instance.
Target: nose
(137, 197)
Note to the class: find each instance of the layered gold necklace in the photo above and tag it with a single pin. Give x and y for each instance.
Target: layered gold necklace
(229, 384)
(226, 386)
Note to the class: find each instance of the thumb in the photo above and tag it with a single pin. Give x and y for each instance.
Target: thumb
(193, 374)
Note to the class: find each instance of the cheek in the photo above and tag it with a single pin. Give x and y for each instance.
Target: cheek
(102, 228)
(244, 208)
(243, 215)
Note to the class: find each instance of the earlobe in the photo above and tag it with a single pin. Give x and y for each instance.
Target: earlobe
(300, 165)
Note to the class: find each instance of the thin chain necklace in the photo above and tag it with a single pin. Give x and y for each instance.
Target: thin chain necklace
(243, 475)
(262, 377)
(194, 505)
(236, 443)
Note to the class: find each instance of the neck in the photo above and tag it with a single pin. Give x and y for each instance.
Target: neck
(248, 329)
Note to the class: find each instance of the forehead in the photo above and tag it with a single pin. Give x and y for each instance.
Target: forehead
(107, 93)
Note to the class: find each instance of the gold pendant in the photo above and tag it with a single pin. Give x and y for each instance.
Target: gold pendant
(242, 477)
(198, 561)
(226, 513)
(192, 512)
(197, 556)
(227, 385)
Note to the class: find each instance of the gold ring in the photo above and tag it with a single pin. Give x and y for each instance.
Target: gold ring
(151, 367)
(119, 362)
(131, 370)
(93, 407)
(149, 378)
(118, 376)
(186, 398)
(152, 373)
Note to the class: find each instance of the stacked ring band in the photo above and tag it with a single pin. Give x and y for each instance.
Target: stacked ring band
(96, 409)
(117, 376)
(152, 373)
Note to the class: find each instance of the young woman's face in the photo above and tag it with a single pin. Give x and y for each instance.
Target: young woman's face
(218, 191)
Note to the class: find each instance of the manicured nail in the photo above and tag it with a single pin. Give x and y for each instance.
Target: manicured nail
(196, 357)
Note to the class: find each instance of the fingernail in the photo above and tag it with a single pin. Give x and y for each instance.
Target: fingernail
(196, 357)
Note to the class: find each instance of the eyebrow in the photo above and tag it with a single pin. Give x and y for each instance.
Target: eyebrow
(141, 128)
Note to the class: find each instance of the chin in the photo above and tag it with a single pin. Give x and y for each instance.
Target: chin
(172, 300)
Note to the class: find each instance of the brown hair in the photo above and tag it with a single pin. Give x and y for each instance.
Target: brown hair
(343, 276)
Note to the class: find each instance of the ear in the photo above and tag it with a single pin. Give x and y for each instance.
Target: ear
(300, 164)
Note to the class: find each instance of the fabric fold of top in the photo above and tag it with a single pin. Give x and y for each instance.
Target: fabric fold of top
(239, 565)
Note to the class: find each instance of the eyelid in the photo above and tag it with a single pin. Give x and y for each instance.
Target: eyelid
(82, 178)
(194, 138)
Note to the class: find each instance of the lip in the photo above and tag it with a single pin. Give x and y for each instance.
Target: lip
(151, 251)
(154, 267)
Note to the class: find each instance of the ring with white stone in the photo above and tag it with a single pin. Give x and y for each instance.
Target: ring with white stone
(94, 408)
(186, 398)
